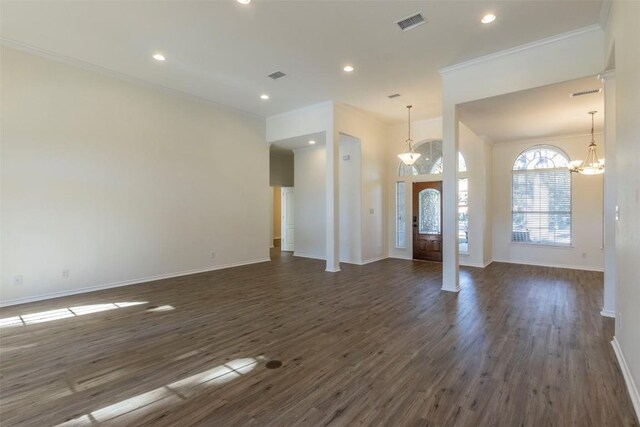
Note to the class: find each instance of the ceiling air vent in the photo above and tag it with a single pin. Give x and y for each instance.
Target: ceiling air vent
(411, 22)
(276, 75)
(395, 95)
(584, 92)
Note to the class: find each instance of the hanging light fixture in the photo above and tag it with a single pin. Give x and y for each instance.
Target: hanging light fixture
(592, 164)
(409, 157)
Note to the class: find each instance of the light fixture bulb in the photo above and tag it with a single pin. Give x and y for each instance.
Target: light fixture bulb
(159, 57)
(244, 1)
(488, 18)
(348, 68)
(312, 142)
(264, 96)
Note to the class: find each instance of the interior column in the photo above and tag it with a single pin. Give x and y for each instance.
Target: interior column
(333, 212)
(610, 198)
(450, 251)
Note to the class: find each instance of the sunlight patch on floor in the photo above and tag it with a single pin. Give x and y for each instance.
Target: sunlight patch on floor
(170, 393)
(63, 313)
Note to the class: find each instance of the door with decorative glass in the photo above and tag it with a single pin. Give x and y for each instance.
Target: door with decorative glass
(427, 221)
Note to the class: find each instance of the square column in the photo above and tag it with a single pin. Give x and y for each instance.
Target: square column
(610, 197)
(450, 250)
(333, 200)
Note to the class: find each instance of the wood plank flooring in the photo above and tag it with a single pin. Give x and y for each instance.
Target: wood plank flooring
(372, 345)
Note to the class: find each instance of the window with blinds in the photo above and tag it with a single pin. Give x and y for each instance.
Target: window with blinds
(541, 197)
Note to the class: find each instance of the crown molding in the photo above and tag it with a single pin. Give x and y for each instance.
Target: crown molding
(605, 11)
(532, 45)
(68, 60)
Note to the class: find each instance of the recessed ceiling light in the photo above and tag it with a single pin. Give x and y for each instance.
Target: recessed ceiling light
(312, 142)
(488, 18)
(159, 57)
(348, 68)
(264, 96)
(244, 1)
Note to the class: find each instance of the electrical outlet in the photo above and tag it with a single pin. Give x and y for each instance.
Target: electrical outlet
(65, 274)
(213, 255)
(584, 254)
(17, 280)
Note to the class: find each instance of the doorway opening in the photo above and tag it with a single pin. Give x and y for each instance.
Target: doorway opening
(281, 173)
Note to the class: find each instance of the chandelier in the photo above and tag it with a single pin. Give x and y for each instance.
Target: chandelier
(592, 164)
(409, 157)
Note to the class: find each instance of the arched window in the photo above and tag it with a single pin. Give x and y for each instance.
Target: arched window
(430, 162)
(541, 197)
(437, 165)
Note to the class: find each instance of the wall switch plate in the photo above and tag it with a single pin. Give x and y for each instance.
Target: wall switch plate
(17, 280)
(65, 274)
(213, 255)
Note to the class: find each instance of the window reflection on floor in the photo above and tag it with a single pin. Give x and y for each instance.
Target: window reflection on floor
(63, 313)
(171, 393)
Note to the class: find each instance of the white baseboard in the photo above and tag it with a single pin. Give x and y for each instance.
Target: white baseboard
(476, 264)
(451, 289)
(311, 256)
(407, 258)
(608, 313)
(333, 270)
(343, 260)
(543, 264)
(371, 260)
(365, 262)
(628, 379)
(52, 295)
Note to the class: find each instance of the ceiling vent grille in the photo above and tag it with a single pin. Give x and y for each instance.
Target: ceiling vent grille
(584, 92)
(395, 95)
(277, 75)
(411, 22)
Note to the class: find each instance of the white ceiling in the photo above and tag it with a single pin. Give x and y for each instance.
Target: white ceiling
(222, 51)
(536, 113)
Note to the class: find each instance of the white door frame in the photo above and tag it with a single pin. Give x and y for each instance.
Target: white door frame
(287, 204)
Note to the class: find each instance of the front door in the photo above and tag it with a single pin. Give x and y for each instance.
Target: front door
(427, 221)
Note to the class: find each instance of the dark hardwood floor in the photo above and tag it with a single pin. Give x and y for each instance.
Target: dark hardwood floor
(372, 345)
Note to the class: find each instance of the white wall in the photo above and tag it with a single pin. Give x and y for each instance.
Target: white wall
(350, 176)
(487, 203)
(281, 168)
(372, 135)
(586, 251)
(117, 182)
(476, 152)
(310, 199)
(623, 38)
